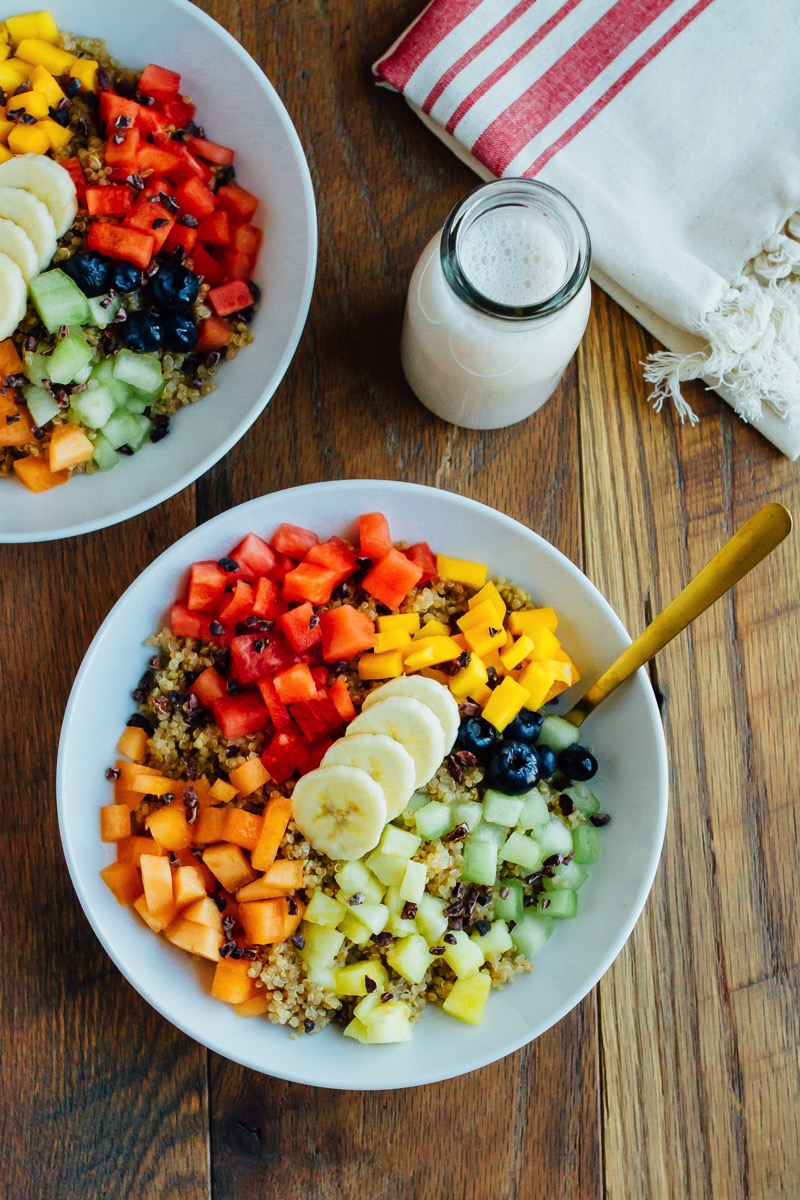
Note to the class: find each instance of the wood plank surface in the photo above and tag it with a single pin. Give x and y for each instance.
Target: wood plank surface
(678, 1077)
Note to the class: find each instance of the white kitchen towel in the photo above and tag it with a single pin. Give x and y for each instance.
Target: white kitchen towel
(674, 126)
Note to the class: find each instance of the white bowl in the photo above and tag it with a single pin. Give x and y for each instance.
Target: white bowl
(237, 106)
(626, 734)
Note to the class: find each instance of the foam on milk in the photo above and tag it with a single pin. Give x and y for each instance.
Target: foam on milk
(513, 256)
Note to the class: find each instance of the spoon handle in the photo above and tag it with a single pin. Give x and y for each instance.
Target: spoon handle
(757, 538)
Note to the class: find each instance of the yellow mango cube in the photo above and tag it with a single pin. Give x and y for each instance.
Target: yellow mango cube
(388, 665)
(40, 53)
(42, 81)
(407, 621)
(473, 675)
(23, 26)
(538, 678)
(33, 103)
(5, 130)
(432, 673)
(482, 639)
(85, 70)
(57, 135)
(545, 645)
(482, 614)
(5, 51)
(507, 699)
(46, 27)
(431, 652)
(432, 629)
(5, 154)
(391, 639)
(481, 694)
(29, 139)
(489, 592)
(12, 74)
(493, 660)
(460, 570)
(530, 620)
(564, 675)
(517, 652)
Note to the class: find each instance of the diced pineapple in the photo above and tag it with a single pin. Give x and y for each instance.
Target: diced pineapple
(467, 998)
(410, 958)
(430, 918)
(373, 916)
(506, 701)
(321, 946)
(413, 883)
(460, 570)
(354, 931)
(390, 1022)
(352, 979)
(355, 1029)
(399, 842)
(324, 910)
(367, 1003)
(388, 868)
(354, 877)
(463, 957)
(496, 941)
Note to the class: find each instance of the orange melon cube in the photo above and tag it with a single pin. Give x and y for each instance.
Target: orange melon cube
(157, 882)
(170, 828)
(197, 939)
(242, 828)
(188, 886)
(16, 427)
(115, 822)
(223, 791)
(155, 923)
(255, 1007)
(281, 879)
(264, 921)
(231, 982)
(69, 447)
(258, 890)
(276, 818)
(131, 849)
(230, 865)
(128, 771)
(34, 471)
(133, 743)
(250, 776)
(293, 920)
(123, 880)
(209, 826)
(152, 785)
(204, 912)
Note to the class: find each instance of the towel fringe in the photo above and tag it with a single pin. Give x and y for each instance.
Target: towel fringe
(752, 339)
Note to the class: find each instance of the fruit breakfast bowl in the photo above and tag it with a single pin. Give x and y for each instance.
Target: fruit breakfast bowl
(625, 735)
(228, 124)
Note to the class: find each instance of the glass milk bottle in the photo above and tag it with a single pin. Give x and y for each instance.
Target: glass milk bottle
(497, 304)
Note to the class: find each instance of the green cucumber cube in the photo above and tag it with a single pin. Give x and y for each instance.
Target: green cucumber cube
(352, 979)
(320, 947)
(399, 842)
(410, 958)
(586, 843)
(103, 309)
(433, 820)
(388, 868)
(70, 356)
(531, 933)
(94, 407)
(583, 798)
(324, 910)
(467, 998)
(354, 877)
(354, 931)
(557, 734)
(105, 455)
(512, 906)
(41, 404)
(496, 941)
(534, 810)
(373, 916)
(413, 883)
(463, 957)
(501, 809)
(430, 919)
(569, 875)
(140, 371)
(388, 1023)
(562, 904)
(58, 300)
(555, 837)
(468, 812)
(523, 851)
(480, 861)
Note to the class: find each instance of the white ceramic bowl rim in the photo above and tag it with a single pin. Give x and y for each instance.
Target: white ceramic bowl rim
(184, 479)
(190, 547)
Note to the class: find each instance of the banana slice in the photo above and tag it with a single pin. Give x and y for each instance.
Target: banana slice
(24, 209)
(15, 242)
(384, 759)
(13, 296)
(427, 691)
(412, 724)
(48, 181)
(341, 810)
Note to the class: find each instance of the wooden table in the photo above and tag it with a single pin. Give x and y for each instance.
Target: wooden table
(677, 1078)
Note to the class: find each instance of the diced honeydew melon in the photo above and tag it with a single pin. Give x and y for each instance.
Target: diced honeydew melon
(531, 933)
(479, 864)
(36, 368)
(126, 429)
(512, 906)
(523, 851)
(433, 820)
(562, 904)
(354, 931)
(566, 875)
(141, 371)
(501, 809)
(388, 868)
(417, 801)
(467, 998)
(136, 404)
(410, 958)
(554, 838)
(583, 798)
(71, 354)
(354, 877)
(58, 300)
(586, 843)
(430, 918)
(534, 810)
(557, 734)
(413, 883)
(388, 1023)
(41, 405)
(496, 941)
(399, 842)
(103, 309)
(356, 1030)
(373, 916)
(352, 979)
(488, 832)
(321, 945)
(94, 407)
(464, 958)
(324, 910)
(104, 455)
(84, 375)
(469, 813)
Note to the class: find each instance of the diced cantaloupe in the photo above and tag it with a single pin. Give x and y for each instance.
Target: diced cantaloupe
(276, 818)
(156, 881)
(131, 849)
(255, 1007)
(170, 828)
(188, 886)
(231, 981)
(250, 776)
(152, 784)
(281, 879)
(124, 881)
(264, 921)
(197, 939)
(115, 822)
(230, 865)
(209, 826)
(34, 471)
(242, 828)
(155, 923)
(204, 912)
(16, 427)
(69, 445)
(223, 791)
(133, 743)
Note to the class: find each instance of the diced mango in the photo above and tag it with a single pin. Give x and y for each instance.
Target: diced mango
(391, 639)
(32, 139)
(490, 593)
(40, 53)
(481, 694)
(482, 614)
(33, 103)
(432, 673)
(430, 652)
(46, 27)
(537, 678)
(432, 629)
(85, 70)
(408, 622)
(42, 81)
(388, 665)
(517, 652)
(506, 701)
(470, 677)
(25, 25)
(483, 639)
(530, 620)
(460, 570)
(5, 153)
(57, 135)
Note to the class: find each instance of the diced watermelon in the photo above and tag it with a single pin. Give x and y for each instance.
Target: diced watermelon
(208, 687)
(215, 229)
(206, 587)
(158, 82)
(249, 664)
(340, 695)
(179, 112)
(295, 684)
(237, 265)
(278, 712)
(122, 151)
(315, 755)
(113, 200)
(153, 219)
(374, 538)
(239, 715)
(186, 238)
(247, 239)
(422, 556)
(230, 297)
(215, 334)
(239, 605)
(286, 750)
(316, 717)
(235, 200)
(253, 552)
(283, 565)
(129, 245)
(300, 627)
(213, 274)
(309, 582)
(267, 598)
(185, 623)
(210, 151)
(112, 107)
(392, 578)
(335, 556)
(156, 158)
(73, 166)
(320, 677)
(152, 124)
(346, 632)
(293, 541)
(188, 166)
(194, 197)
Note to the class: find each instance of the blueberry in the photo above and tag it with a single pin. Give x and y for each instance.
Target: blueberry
(174, 287)
(91, 272)
(548, 760)
(125, 277)
(477, 736)
(577, 763)
(526, 726)
(142, 332)
(514, 768)
(180, 332)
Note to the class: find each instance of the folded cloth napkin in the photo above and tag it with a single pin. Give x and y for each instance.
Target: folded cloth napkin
(673, 126)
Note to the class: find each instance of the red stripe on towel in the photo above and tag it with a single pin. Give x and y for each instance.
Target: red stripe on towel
(436, 22)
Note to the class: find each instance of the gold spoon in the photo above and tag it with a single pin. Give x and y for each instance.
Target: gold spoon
(757, 538)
